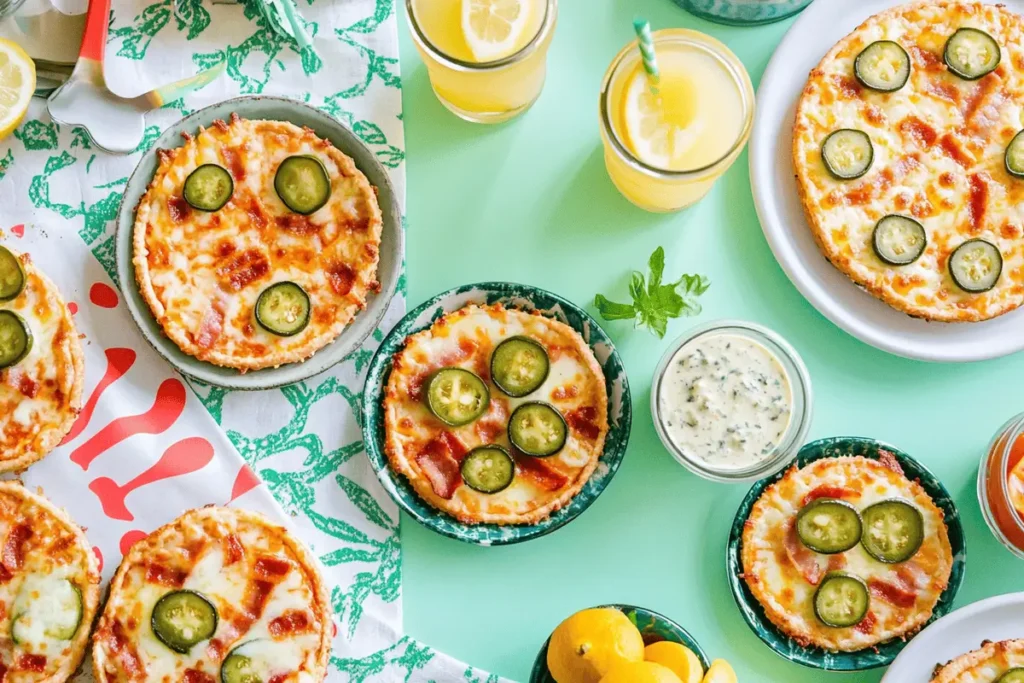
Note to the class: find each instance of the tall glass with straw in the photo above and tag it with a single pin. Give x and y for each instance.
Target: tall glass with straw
(676, 109)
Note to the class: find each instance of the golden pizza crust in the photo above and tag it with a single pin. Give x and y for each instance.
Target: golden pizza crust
(404, 462)
(765, 557)
(939, 146)
(227, 518)
(991, 661)
(60, 353)
(16, 492)
(202, 272)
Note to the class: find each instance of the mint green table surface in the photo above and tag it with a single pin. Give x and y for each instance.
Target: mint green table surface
(530, 201)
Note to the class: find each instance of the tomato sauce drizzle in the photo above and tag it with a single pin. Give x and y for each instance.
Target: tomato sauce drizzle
(14, 548)
(30, 662)
(583, 421)
(289, 623)
(165, 576)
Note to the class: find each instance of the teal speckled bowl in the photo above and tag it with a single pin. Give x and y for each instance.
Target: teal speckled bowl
(524, 297)
(653, 627)
(815, 657)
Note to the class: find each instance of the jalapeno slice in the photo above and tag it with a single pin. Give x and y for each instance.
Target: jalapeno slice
(971, 53)
(183, 618)
(899, 240)
(519, 365)
(45, 606)
(283, 309)
(1014, 675)
(847, 153)
(893, 530)
(1014, 157)
(208, 188)
(488, 469)
(976, 265)
(537, 429)
(829, 526)
(842, 600)
(883, 66)
(15, 339)
(12, 275)
(457, 396)
(302, 183)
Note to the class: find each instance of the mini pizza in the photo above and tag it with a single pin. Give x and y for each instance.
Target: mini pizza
(1001, 662)
(846, 553)
(909, 163)
(42, 368)
(49, 589)
(219, 594)
(496, 415)
(256, 243)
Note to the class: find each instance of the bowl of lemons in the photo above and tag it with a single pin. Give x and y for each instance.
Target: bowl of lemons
(625, 644)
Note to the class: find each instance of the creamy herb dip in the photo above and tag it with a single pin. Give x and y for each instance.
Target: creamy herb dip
(725, 400)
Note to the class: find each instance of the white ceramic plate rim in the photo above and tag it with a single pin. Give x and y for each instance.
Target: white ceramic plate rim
(957, 633)
(782, 217)
(362, 325)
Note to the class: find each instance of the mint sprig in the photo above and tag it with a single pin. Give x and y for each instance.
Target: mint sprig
(655, 303)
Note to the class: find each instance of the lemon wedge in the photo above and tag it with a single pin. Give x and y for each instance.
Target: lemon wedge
(662, 128)
(677, 657)
(494, 28)
(720, 672)
(17, 83)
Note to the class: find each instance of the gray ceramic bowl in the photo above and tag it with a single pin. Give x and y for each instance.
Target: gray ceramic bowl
(388, 270)
(523, 297)
(814, 657)
(653, 627)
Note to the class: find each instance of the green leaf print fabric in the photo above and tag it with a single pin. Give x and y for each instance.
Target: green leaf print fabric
(304, 440)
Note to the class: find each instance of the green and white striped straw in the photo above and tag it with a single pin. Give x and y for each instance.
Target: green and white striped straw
(646, 43)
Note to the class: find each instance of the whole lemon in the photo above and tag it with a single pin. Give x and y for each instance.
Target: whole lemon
(640, 672)
(589, 643)
(683, 662)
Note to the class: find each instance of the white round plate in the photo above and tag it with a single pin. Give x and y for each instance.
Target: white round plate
(957, 633)
(772, 180)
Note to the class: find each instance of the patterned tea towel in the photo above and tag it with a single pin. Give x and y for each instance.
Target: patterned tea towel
(147, 446)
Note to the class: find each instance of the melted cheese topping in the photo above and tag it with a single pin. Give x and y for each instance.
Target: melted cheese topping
(40, 547)
(782, 587)
(41, 395)
(984, 665)
(466, 338)
(264, 586)
(939, 144)
(202, 272)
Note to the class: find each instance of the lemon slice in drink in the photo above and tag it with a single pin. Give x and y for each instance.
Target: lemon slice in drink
(17, 83)
(662, 127)
(494, 28)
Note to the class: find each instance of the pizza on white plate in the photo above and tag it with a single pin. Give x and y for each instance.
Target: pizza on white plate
(909, 161)
(42, 368)
(49, 589)
(496, 415)
(846, 553)
(256, 243)
(1001, 662)
(219, 594)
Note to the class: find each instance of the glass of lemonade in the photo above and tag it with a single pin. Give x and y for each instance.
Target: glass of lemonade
(664, 151)
(486, 58)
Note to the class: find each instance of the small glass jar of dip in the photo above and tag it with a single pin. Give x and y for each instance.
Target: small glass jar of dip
(731, 401)
(1001, 485)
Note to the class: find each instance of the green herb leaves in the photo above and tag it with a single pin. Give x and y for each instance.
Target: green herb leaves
(653, 302)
